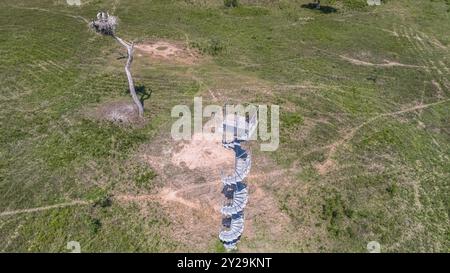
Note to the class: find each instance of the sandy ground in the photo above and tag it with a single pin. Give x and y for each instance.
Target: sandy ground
(168, 51)
(191, 195)
(203, 153)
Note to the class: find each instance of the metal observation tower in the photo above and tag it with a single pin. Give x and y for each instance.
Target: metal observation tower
(236, 130)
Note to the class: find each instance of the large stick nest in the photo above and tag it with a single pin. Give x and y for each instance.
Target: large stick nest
(104, 24)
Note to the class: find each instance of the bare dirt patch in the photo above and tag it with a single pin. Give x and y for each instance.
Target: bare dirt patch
(191, 195)
(168, 51)
(203, 153)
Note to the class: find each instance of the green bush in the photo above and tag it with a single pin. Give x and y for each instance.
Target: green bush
(392, 189)
(103, 201)
(231, 3)
(334, 211)
(94, 225)
(212, 46)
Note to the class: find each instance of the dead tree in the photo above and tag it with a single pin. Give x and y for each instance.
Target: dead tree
(106, 25)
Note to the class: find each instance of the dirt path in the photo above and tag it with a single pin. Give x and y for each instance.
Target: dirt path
(387, 63)
(54, 12)
(328, 164)
(168, 194)
(56, 206)
(422, 45)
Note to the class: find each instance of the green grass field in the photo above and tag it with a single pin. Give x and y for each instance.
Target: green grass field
(367, 145)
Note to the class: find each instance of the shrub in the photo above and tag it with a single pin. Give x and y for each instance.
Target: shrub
(231, 3)
(94, 225)
(334, 211)
(392, 189)
(103, 201)
(212, 46)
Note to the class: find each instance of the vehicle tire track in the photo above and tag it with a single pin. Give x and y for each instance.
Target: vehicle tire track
(325, 167)
(44, 208)
(422, 45)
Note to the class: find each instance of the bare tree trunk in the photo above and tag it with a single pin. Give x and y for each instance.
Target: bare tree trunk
(129, 48)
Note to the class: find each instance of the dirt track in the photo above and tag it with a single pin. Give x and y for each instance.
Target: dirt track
(328, 164)
(61, 205)
(385, 64)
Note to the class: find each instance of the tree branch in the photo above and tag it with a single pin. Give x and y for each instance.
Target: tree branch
(130, 48)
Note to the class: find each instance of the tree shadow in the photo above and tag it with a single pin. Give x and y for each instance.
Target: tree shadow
(121, 56)
(143, 94)
(323, 9)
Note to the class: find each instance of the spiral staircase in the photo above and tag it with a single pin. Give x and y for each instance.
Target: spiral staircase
(234, 187)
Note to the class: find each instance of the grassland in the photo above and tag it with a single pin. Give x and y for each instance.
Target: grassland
(367, 145)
